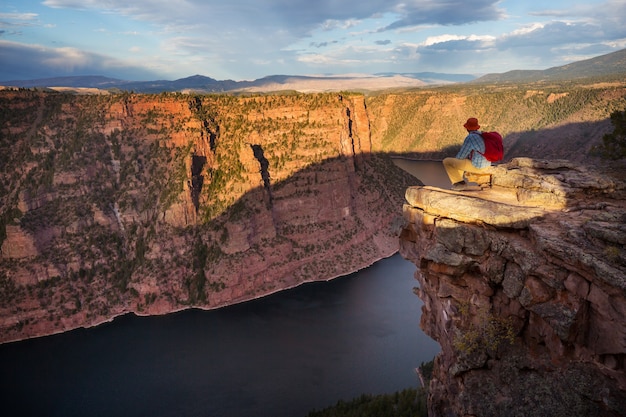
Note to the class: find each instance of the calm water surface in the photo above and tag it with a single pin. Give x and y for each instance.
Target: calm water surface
(282, 355)
(429, 172)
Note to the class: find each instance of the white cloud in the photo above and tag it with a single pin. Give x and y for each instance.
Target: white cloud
(617, 43)
(527, 29)
(432, 40)
(332, 24)
(316, 59)
(245, 39)
(18, 16)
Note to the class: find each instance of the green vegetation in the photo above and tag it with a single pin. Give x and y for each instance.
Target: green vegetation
(410, 402)
(429, 120)
(482, 331)
(612, 253)
(614, 144)
(197, 282)
(407, 403)
(284, 124)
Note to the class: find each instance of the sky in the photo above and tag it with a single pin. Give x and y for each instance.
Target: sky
(143, 40)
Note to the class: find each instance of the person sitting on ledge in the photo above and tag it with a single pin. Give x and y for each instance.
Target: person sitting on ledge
(469, 158)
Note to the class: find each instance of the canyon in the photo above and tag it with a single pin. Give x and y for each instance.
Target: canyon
(154, 203)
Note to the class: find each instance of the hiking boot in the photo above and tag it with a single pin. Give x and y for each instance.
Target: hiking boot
(459, 186)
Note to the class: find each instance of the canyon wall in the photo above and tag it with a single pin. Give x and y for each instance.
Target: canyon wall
(543, 120)
(120, 203)
(524, 288)
(152, 204)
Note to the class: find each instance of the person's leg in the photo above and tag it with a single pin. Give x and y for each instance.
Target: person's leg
(473, 169)
(456, 167)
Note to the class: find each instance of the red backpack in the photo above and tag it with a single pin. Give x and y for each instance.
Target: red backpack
(494, 149)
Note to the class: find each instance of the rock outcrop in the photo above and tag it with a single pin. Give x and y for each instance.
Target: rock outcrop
(524, 288)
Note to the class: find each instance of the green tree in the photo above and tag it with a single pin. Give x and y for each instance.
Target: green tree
(196, 283)
(614, 144)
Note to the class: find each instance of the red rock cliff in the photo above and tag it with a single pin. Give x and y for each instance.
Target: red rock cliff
(524, 288)
(156, 203)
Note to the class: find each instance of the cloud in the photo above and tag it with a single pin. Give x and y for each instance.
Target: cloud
(19, 17)
(558, 43)
(606, 10)
(444, 41)
(553, 33)
(34, 61)
(15, 22)
(322, 44)
(246, 39)
(451, 12)
(295, 17)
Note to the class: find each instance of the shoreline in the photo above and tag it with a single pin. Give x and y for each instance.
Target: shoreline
(406, 158)
(201, 308)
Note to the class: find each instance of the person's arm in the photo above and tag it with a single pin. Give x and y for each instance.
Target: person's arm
(467, 148)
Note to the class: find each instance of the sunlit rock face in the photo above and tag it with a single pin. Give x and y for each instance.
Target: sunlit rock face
(155, 203)
(151, 203)
(524, 288)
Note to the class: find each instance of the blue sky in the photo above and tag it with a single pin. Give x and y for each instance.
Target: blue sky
(250, 39)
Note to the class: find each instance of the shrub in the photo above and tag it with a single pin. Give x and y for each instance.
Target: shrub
(614, 144)
(487, 333)
(410, 402)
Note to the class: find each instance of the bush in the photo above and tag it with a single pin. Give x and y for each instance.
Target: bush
(486, 334)
(410, 402)
(614, 144)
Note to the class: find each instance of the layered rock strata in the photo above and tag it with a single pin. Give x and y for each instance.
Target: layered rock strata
(524, 288)
(153, 204)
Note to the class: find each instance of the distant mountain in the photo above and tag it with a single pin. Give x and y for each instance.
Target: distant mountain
(434, 77)
(201, 83)
(84, 81)
(95, 81)
(609, 65)
(195, 82)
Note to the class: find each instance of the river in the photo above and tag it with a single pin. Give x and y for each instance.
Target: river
(282, 355)
(429, 172)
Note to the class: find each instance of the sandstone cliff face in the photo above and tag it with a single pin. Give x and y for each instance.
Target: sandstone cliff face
(540, 121)
(152, 204)
(524, 288)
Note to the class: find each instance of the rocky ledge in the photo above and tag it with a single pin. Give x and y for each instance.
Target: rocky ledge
(524, 288)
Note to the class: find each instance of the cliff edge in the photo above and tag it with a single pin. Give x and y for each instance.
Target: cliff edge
(524, 288)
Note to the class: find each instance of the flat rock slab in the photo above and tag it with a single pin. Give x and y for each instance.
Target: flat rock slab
(474, 208)
(471, 187)
(521, 192)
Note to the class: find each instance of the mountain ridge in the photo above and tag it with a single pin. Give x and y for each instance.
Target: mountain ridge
(606, 65)
(201, 83)
(612, 64)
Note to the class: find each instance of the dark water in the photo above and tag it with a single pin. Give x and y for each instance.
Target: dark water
(429, 172)
(283, 355)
